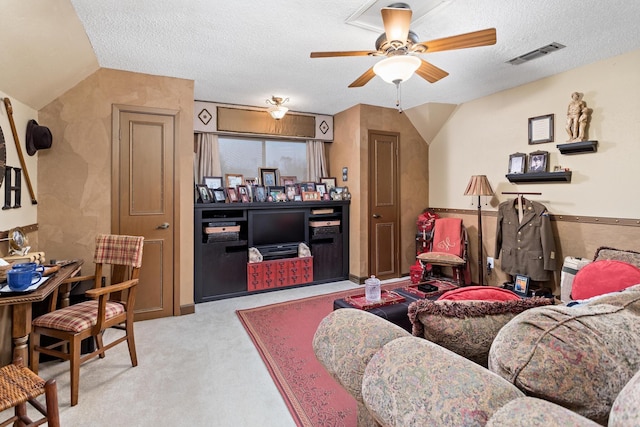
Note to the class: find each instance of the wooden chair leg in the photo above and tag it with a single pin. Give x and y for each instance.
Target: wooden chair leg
(21, 413)
(131, 343)
(34, 354)
(99, 344)
(51, 398)
(74, 352)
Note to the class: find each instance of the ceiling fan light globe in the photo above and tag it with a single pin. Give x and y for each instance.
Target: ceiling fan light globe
(278, 111)
(397, 68)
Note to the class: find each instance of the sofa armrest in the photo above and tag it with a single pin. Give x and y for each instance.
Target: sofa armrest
(412, 381)
(346, 340)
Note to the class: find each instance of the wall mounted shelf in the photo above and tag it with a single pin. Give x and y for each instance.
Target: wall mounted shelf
(564, 176)
(578, 147)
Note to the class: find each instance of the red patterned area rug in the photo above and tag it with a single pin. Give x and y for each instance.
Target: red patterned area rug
(283, 335)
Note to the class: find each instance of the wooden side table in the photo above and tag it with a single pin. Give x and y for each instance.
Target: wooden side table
(21, 305)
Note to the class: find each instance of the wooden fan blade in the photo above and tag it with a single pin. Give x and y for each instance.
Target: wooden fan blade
(396, 23)
(430, 72)
(345, 53)
(475, 39)
(363, 79)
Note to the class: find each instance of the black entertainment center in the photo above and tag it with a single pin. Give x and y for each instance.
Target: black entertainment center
(224, 232)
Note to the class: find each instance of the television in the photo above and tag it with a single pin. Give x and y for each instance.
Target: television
(277, 232)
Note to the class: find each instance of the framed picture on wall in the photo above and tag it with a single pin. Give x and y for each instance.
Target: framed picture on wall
(541, 129)
(517, 162)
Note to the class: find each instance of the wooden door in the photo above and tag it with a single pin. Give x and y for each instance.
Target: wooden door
(384, 229)
(143, 200)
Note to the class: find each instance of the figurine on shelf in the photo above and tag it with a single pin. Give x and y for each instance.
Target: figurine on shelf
(577, 117)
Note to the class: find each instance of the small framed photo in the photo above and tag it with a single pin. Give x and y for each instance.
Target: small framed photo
(541, 129)
(288, 180)
(330, 182)
(234, 180)
(517, 163)
(538, 161)
(310, 196)
(219, 196)
(277, 194)
(259, 194)
(292, 191)
(336, 193)
(232, 194)
(212, 182)
(251, 181)
(322, 189)
(243, 194)
(269, 176)
(204, 196)
(521, 285)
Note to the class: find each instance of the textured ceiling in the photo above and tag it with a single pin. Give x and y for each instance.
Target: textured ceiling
(244, 51)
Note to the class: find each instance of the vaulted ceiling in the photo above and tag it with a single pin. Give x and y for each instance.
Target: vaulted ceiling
(245, 51)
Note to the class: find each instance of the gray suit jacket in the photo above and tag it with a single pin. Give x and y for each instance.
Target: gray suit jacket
(528, 247)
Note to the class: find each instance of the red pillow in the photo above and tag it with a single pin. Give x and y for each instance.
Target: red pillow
(602, 277)
(484, 293)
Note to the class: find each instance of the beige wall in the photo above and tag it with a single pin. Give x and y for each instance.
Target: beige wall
(480, 135)
(75, 176)
(350, 148)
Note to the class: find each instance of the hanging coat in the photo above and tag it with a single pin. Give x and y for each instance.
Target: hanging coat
(526, 247)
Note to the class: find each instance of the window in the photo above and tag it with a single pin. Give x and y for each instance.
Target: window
(246, 155)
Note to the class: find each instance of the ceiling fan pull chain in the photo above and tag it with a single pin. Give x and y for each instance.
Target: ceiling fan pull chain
(398, 96)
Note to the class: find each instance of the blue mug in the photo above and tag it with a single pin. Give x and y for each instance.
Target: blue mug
(32, 266)
(20, 279)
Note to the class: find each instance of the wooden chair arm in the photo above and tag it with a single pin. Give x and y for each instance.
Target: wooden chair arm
(95, 293)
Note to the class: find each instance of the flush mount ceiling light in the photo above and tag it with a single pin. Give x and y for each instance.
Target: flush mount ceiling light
(397, 69)
(277, 110)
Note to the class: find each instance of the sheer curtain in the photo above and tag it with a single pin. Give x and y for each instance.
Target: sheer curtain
(207, 157)
(317, 164)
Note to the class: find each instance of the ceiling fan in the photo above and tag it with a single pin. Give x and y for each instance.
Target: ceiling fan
(401, 46)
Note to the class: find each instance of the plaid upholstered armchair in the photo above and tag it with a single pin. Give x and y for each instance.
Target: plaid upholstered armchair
(110, 307)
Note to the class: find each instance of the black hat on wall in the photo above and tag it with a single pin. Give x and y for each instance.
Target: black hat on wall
(38, 137)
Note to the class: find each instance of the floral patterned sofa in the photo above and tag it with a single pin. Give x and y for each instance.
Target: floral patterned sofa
(548, 366)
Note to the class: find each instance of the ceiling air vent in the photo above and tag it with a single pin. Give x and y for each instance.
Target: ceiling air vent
(541, 51)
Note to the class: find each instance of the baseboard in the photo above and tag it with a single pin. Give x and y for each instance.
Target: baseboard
(187, 309)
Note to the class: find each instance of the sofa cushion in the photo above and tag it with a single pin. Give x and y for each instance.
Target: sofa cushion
(625, 408)
(533, 412)
(466, 327)
(602, 277)
(624, 255)
(485, 293)
(579, 357)
(413, 382)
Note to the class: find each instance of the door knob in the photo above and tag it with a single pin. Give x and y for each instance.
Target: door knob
(163, 226)
(377, 216)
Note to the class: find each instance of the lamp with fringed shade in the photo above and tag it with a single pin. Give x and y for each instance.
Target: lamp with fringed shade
(479, 186)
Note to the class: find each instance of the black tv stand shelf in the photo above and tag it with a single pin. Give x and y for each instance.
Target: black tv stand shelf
(220, 266)
(563, 176)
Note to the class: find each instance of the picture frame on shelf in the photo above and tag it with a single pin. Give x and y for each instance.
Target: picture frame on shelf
(204, 196)
(212, 182)
(244, 194)
(541, 129)
(330, 182)
(517, 163)
(310, 196)
(268, 176)
(521, 285)
(292, 191)
(259, 194)
(232, 195)
(277, 193)
(538, 162)
(234, 180)
(322, 189)
(219, 196)
(288, 180)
